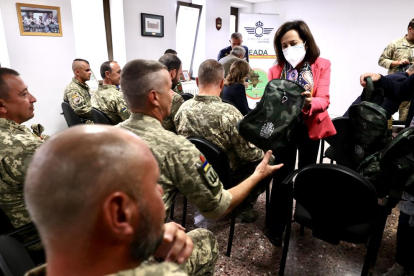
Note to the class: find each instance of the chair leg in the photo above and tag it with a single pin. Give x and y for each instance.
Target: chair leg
(331, 161)
(285, 250)
(172, 211)
(184, 211)
(375, 242)
(302, 230)
(231, 234)
(322, 151)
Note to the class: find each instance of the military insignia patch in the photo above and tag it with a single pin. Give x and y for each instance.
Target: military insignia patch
(208, 172)
(77, 100)
(267, 130)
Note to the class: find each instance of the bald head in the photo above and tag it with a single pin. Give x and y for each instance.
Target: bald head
(210, 73)
(67, 182)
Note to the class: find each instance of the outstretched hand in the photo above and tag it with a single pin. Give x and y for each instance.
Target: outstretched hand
(263, 170)
(374, 77)
(176, 246)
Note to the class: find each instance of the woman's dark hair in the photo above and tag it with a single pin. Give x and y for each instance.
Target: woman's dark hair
(239, 70)
(312, 52)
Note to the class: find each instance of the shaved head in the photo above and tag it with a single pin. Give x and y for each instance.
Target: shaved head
(78, 64)
(68, 183)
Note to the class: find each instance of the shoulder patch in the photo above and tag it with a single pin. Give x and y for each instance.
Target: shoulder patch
(207, 171)
(78, 100)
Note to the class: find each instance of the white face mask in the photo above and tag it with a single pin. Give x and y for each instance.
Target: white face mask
(295, 54)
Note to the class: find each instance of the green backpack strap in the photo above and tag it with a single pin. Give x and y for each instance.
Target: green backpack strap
(369, 89)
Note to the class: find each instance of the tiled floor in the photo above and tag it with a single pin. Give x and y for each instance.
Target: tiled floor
(253, 254)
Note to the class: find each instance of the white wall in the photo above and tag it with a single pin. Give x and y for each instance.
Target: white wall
(44, 62)
(118, 31)
(145, 47)
(4, 53)
(352, 34)
(89, 30)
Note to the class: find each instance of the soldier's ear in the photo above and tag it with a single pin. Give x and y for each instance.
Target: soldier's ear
(3, 109)
(107, 74)
(222, 84)
(173, 73)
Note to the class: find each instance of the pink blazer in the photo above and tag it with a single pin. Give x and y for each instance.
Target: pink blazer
(316, 118)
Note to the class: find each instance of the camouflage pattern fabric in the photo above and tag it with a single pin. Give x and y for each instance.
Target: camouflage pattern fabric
(110, 101)
(183, 169)
(270, 124)
(78, 97)
(178, 88)
(397, 50)
(209, 118)
(17, 147)
(168, 122)
(166, 269)
(203, 259)
(403, 110)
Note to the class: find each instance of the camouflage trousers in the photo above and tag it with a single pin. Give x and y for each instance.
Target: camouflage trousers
(202, 261)
(403, 110)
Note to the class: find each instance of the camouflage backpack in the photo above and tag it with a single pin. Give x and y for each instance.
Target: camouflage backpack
(392, 169)
(367, 130)
(270, 124)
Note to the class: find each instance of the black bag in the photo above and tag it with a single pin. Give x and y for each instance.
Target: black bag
(269, 126)
(391, 170)
(367, 130)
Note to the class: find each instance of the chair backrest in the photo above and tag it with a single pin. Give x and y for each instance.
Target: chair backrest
(336, 198)
(5, 224)
(70, 116)
(187, 96)
(99, 117)
(14, 258)
(337, 141)
(216, 157)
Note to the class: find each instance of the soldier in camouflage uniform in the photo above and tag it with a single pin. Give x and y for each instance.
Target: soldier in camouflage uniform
(18, 144)
(208, 117)
(126, 208)
(77, 92)
(398, 55)
(174, 67)
(108, 99)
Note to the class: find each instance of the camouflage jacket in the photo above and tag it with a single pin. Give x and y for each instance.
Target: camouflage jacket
(178, 88)
(168, 122)
(110, 101)
(397, 50)
(208, 117)
(77, 95)
(183, 169)
(166, 269)
(17, 147)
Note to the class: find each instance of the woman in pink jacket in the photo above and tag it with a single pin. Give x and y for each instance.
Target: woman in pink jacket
(298, 60)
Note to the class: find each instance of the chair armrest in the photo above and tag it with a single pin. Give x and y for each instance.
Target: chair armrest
(289, 178)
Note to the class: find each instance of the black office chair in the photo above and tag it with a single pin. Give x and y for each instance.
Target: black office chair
(340, 206)
(187, 96)
(70, 116)
(336, 142)
(14, 258)
(218, 159)
(99, 117)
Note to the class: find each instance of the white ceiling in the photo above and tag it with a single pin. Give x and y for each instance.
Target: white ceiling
(258, 1)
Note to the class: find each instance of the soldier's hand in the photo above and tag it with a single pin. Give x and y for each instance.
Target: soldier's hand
(308, 100)
(374, 77)
(263, 170)
(176, 246)
(403, 62)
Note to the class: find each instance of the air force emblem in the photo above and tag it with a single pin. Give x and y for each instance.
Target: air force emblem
(258, 31)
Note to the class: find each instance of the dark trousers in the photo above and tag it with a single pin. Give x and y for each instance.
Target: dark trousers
(308, 153)
(405, 243)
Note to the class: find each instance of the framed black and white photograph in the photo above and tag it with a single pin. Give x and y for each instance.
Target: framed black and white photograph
(39, 20)
(186, 75)
(152, 25)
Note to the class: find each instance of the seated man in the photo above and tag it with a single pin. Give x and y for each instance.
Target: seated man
(236, 39)
(108, 98)
(208, 117)
(18, 144)
(174, 67)
(94, 216)
(77, 92)
(178, 159)
(236, 54)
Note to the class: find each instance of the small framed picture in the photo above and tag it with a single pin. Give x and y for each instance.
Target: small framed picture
(39, 20)
(152, 25)
(185, 75)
